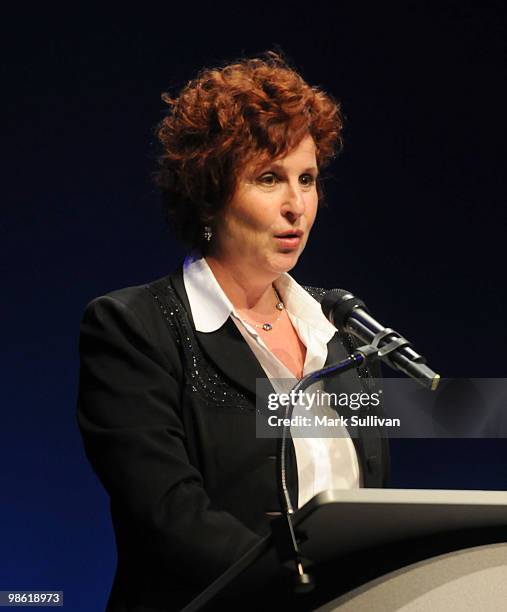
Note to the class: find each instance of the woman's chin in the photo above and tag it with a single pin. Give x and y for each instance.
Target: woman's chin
(285, 261)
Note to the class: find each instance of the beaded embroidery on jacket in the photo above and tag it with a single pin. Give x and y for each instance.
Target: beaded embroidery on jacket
(202, 377)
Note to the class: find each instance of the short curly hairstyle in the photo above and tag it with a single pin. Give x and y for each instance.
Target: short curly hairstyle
(258, 108)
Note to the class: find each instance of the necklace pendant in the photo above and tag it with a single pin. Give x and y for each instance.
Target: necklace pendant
(267, 327)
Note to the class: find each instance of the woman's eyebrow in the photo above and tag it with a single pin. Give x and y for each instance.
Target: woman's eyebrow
(280, 167)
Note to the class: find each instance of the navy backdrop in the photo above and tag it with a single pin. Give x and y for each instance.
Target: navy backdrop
(415, 222)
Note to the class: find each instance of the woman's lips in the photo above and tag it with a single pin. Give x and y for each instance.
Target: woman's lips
(289, 242)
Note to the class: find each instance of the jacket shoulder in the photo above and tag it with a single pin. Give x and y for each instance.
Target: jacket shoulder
(317, 293)
(135, 295)
(142, 306)
(137, 298)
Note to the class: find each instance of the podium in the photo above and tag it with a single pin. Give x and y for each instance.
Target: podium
(379, 549)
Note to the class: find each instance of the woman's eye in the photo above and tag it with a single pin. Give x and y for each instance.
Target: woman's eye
(307, 180)
(268, 179)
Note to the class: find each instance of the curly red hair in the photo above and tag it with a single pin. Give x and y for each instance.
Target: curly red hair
(255, 109)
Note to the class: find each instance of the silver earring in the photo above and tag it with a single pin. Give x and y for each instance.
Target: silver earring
(208, 233)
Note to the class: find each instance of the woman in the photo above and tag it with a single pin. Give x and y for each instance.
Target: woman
(168, 369)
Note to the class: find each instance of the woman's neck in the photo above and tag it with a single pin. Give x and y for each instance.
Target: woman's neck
(245, 291)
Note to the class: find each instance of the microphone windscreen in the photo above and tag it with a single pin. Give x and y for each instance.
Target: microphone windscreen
(337, 305)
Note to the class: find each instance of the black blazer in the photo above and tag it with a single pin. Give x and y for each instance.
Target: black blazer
(167, 416)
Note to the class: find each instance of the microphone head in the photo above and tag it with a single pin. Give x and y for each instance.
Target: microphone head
(337, 305)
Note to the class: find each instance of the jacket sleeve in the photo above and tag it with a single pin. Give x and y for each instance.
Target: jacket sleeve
(128, 413)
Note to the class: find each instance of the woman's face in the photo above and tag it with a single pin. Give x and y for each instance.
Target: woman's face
(264, 228)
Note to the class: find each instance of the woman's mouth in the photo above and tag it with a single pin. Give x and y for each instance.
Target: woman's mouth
(289, 240)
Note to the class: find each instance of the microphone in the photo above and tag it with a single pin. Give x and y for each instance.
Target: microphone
(350, 314)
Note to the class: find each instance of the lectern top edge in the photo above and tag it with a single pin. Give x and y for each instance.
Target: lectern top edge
(405, 496)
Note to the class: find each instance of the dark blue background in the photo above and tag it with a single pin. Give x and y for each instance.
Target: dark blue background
(415, 222)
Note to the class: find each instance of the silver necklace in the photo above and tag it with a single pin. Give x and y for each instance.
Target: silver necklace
(269, 326)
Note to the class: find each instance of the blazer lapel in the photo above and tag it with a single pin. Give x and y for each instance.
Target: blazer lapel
(225, 347)
(335, 351)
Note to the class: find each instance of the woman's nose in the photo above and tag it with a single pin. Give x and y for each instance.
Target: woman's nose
(294, 202)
